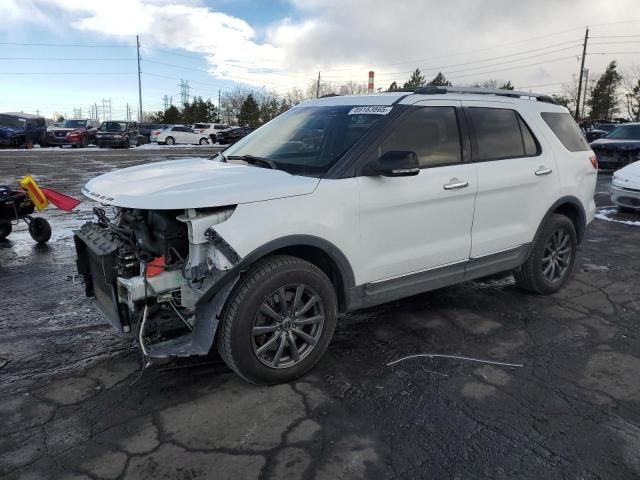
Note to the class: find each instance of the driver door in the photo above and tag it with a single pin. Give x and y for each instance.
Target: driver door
(420, 224)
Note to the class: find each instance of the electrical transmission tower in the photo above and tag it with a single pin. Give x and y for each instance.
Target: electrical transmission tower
(184, 91)
(167, 101)
(106, 109)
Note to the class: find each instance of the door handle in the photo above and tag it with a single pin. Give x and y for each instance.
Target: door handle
(455, 184)
(543, 171)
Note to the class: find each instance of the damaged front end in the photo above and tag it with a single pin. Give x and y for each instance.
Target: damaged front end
(161, 274)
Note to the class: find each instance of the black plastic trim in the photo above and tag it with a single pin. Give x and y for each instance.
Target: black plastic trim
(575, 202)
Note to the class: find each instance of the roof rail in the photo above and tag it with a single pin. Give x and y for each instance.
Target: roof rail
(431, 90)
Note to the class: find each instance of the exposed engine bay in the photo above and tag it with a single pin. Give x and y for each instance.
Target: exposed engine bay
(147, 269)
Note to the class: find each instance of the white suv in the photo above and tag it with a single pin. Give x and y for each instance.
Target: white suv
(179, 134)
(338, 204)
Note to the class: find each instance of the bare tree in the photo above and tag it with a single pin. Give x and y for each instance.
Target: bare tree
(351, 87)
(631, 88)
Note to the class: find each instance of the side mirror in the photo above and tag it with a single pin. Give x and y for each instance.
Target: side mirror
(395, 163)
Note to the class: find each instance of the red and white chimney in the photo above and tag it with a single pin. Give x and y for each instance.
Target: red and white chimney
(370, 86)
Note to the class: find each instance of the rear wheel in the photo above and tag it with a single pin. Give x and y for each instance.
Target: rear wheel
(203, 141)
(551, 259)
(169, 141)
(278, 322)
(40, 230)
(5, 230)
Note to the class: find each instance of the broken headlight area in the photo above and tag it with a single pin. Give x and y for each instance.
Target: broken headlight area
(152, 265)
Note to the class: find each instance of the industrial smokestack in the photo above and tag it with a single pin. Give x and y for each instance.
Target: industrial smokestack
(370, 86)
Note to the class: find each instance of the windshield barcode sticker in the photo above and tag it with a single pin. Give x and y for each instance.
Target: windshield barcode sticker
(370, 110)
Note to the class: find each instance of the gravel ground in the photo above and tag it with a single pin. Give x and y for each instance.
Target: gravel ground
(75, 404)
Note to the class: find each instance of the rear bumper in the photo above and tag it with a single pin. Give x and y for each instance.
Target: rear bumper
(625, 197)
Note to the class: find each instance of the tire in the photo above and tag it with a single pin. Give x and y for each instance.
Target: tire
(551, 259)
(5, 230)
(84, 141)
(203, 141)
(169, 141)
(126, 144)
(269, 358)
(40, 230)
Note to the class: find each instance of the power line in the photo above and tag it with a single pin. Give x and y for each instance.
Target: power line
(64, 45)
(67, 73)
(69, 59)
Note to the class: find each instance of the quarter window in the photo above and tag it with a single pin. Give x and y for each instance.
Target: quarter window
(500, 133)
(567, 131)
(431, 132)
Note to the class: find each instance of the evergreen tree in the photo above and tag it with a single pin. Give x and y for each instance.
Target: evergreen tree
(171, 115)
(633, 102)
(506, 86)
(249, 112)
(604, 100)
(439, 81)
(393, 87)
(284, 106)
(416, 80)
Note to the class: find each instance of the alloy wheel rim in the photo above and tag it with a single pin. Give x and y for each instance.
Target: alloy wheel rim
(287, 326)
(556, 257)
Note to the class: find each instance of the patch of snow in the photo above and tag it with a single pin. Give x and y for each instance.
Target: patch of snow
(604, 215)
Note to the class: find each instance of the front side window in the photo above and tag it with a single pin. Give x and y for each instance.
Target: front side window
(500, 133)
(566, 129)
(306, 140)
(431, 132)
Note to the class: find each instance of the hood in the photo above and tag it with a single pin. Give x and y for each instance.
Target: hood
(194, 183)
(630, 174)
(615, 144)
(66, 130)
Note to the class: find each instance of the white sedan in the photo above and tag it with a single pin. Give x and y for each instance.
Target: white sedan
(625, 188)
(179, 134)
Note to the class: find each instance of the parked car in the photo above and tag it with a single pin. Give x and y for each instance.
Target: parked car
(264, 247)
(619, 148)
(146, 129)
(233, 135)
(74, 132)
(211, 129)
(18, 129)
(600, 130)
(117, 133)
(625, 188)
(180, 134)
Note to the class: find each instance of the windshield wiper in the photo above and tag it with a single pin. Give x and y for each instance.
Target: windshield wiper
(252, 159)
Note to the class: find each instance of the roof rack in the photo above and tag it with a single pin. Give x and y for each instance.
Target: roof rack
(431, 90)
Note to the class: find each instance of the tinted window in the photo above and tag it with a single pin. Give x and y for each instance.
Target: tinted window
(531, 147)
(497, 133)
(431, 132)
(567, 131)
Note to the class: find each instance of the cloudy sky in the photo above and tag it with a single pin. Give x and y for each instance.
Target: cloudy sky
(58, 55)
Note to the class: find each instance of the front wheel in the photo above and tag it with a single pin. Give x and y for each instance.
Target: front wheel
(203, 141)
(169, 141)
(40, 230)
(551, 259)
(278, 322)
(5, 230)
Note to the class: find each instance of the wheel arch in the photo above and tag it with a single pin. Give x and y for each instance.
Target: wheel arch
(572, 208)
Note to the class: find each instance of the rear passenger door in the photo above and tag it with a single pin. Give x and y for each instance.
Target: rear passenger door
(517, 178)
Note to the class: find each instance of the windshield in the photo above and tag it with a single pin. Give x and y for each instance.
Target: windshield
(11, 121)
(626, 132)
(73, 123)
(113, 126)
(607, 127)
(307, 140)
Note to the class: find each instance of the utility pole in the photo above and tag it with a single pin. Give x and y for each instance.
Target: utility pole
(586, 89)
(139, 81)
(584, 54)
(318, 86)
(219, 111)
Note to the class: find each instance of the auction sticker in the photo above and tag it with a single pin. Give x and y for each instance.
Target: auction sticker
(370, 110)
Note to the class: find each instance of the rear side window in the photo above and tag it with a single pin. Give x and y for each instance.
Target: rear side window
(431, 132)
(500, 133)
(567, 131)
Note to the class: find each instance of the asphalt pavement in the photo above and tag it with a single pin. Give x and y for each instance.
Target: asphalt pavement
(76, 404)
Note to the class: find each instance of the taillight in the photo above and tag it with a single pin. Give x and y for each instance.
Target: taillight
(594, 161)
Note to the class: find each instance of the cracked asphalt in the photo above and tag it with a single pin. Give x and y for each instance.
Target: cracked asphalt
(74, 403)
